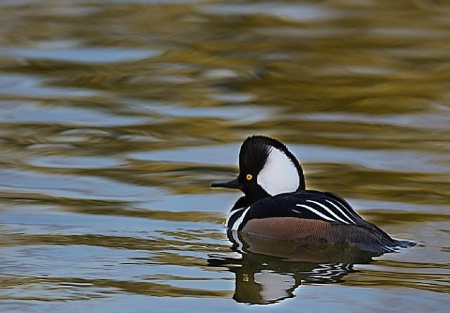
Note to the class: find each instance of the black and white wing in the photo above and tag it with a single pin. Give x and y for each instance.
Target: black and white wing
(308, 204)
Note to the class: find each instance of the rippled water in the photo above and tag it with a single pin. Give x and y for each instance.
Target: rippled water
(115, 117)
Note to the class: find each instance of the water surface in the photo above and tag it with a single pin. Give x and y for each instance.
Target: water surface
(115, 117)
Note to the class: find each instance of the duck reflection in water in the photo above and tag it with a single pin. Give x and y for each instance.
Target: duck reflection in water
(269, 271)
(279, 223)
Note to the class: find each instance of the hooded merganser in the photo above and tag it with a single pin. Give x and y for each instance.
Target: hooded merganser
(276, 204)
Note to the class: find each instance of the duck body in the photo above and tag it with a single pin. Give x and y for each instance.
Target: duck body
(311, 217)
(277, 206)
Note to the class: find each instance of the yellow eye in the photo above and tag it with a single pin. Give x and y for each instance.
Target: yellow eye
(249, 176)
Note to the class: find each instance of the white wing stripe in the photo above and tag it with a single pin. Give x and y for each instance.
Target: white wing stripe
(328, 211)
(340, 210)
(316, 212)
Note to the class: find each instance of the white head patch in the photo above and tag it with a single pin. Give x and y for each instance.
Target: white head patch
(279, 174)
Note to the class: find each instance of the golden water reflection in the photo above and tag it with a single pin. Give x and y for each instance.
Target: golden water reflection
(116, 116)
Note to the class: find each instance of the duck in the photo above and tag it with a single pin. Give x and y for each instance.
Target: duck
(277, 206)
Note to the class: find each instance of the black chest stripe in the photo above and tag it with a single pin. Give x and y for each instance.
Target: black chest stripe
(235, 218)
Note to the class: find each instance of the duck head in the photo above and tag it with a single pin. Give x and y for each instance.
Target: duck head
(266, 168)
